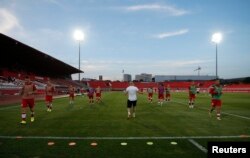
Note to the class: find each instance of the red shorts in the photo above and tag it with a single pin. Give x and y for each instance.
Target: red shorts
(91, 96)
(160, 96)
(98, 95)
(216, 102)
(150, 95)
(71, 95)
(28, 103)
(48, 98)
(167, 95)
(191, 96)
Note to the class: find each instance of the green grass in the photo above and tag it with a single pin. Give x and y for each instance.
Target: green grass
(109, 119)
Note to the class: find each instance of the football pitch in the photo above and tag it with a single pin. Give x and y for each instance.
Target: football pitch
(102, 129)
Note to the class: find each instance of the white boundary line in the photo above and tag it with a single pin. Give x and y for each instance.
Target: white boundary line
(124, 138)
(244, 117)
(198, 145)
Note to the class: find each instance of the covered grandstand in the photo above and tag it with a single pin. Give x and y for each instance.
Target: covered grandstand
(18, 60)
(19, 57)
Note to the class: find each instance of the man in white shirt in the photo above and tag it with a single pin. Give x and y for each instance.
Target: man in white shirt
(131, 91)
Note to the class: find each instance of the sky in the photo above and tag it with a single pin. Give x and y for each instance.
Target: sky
(158, 37)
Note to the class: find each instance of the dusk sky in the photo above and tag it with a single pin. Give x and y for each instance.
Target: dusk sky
(159, 37)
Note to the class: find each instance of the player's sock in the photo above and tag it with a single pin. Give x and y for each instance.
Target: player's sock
(23, 116)
(50, 108)
(129, 113)
(134, 114)
(32, 114)
(218, 117)
(23, 121)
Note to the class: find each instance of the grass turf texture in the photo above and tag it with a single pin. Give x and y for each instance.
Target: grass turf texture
(109, 119)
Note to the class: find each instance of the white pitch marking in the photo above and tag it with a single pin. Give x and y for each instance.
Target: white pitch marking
(244, 117)
(198, 145)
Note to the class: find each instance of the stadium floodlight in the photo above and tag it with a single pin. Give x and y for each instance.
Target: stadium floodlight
(79, 36)
(216, 38)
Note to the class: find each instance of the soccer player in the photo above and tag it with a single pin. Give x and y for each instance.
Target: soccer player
(192, 92)
(98, 94)
(49, 90)
(216, 92)
(91, 92)
(131, 91)
(161, 94)
(168, 93)
(150, 94)
(27, 92)
(71, 94)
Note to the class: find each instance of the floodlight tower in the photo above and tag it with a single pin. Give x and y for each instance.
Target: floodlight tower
(216, 38)
(79, 36)
(198, 69)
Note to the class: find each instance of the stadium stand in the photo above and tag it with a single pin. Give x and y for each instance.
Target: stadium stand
(237, 88)
(118, 86)
(19, 60)
(95, 84)
(19, 57)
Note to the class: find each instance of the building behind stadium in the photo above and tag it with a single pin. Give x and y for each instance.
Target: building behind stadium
(162, 78)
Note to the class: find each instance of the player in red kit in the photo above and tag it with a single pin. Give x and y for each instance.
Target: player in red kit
(216, 103)
(161, 90)
(49, 90)
(91, 92)
(98, 94)
(192, 94)
(27, 92)
(168, 95)
(150, 94)
(71, 94)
